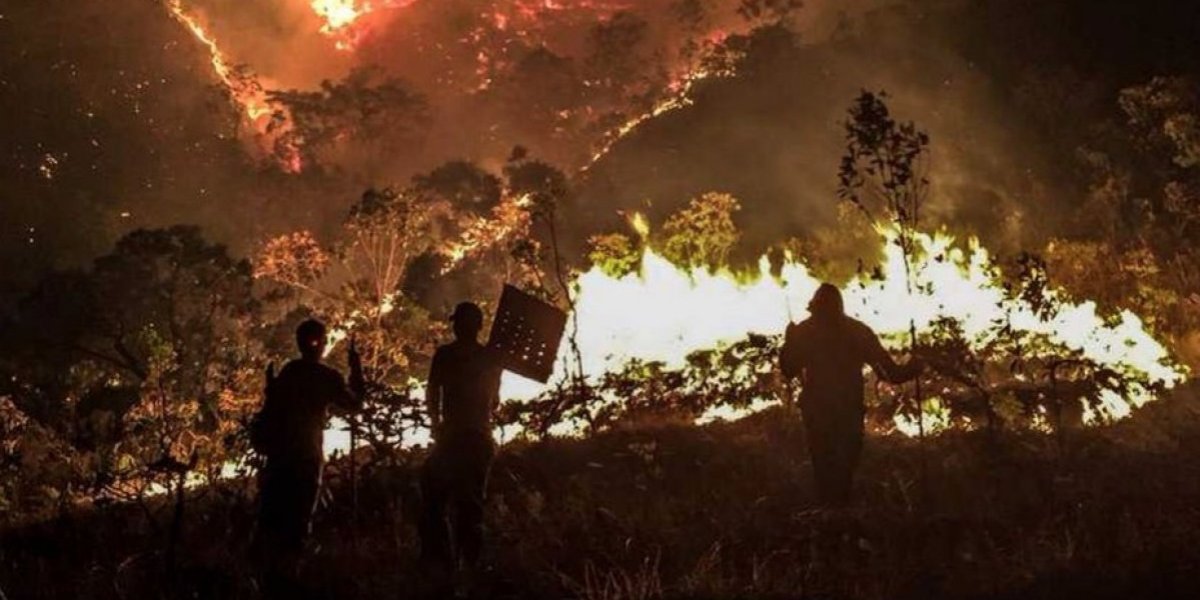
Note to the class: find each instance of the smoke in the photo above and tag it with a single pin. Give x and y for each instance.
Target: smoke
(772, 135)
(1007, 96)
(114, 119)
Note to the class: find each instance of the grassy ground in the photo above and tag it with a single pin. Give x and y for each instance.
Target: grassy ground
(722, 511)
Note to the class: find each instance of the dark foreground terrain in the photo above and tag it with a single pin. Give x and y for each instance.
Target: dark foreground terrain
(722, 511)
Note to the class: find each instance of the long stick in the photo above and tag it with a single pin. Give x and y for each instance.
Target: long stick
(353, 483)
(573, 337)
(923, 463)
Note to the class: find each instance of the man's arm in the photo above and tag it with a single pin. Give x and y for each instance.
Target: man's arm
(790, 357)
(883, 364)
(351, 398)
(345, 398)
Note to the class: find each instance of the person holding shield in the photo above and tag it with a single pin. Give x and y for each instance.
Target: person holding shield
(462, 393)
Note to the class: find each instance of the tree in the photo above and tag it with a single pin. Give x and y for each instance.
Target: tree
(1164, 111)
(616, 64)
(542, 95)
(702, 235)
(150, 357)
(463, 184)
(358, 287)
(883, 174)
(614, 253)
(354, 121)
(768, 10)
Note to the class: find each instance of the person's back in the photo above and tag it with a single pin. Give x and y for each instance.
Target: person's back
(299, 401)
(828, 352)
(462, 392)
(468, 375)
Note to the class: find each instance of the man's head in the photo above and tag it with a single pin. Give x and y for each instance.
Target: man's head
(827, 302)
(310, 336)
(467, 320)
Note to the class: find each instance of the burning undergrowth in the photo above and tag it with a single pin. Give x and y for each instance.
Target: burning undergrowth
(664, 327)
(702, 343)
(137, 375)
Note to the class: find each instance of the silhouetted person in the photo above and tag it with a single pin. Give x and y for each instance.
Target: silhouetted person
(290, 431)
(462, 393)
(827, 352)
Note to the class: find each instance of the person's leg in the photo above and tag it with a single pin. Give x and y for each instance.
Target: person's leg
(847, 447)
(470, 498)
(264, 523)
(840, 460)
(432, 526)
(288, 495)
(307, 487)
(816, 432)
(853, 455)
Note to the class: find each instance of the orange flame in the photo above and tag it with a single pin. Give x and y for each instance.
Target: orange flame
(344, 18)
(663, 313)
(245, 91)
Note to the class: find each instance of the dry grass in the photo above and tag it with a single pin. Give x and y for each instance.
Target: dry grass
(722, 511)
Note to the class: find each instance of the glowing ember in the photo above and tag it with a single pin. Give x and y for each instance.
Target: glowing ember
(245, 92)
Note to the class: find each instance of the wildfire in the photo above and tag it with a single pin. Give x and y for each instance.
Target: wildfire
(338, 14)
(245, 91)
(680, 96)
(343, 19)
(509, 218)
(663, 313)
(674, 102)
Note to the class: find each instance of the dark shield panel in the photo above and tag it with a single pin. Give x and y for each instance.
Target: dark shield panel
(527, 332)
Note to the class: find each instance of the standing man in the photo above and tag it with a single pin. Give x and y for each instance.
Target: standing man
(462, 393)
(289, 431)
(827, 352)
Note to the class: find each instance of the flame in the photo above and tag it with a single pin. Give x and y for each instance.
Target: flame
(509, 218)
(680, 97)
(664, 313)
(343, 20)
(244, 91)
(640, 225)
(338, 14)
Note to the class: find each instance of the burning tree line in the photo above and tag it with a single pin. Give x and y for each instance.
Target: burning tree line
(139, 374)
(506, 58)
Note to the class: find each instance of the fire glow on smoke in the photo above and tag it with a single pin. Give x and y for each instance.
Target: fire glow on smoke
(664, 313)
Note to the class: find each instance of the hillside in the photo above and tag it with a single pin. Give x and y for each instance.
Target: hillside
(722, 511)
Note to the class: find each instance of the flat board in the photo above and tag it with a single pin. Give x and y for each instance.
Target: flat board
(527, 333)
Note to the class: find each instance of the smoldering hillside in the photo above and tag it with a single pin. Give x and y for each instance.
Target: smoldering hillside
(1012, 94)
(127, 126)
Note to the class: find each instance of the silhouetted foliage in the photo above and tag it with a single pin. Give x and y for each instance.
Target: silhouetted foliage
(360, 115)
